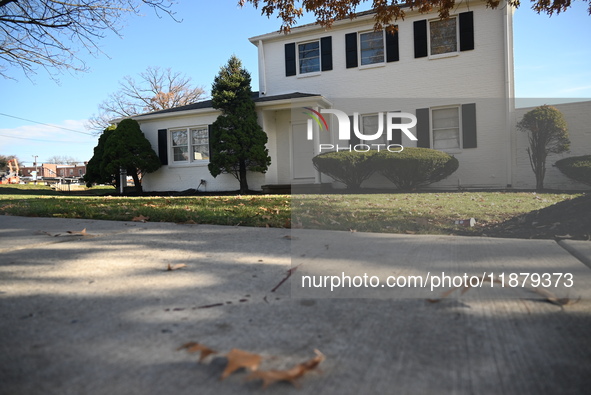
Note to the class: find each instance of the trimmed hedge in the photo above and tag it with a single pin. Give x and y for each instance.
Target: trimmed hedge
(350, 168)
(577, 168)
(415, 167)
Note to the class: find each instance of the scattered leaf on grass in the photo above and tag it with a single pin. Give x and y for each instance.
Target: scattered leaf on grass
(175, 267)
(140, 218)
(193, 347)
(238, 359)
(290, 375)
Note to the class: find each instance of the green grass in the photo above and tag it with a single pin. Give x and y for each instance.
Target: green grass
(271, 211)
(420, 213)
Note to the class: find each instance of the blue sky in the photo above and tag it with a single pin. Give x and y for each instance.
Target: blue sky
(552, 60)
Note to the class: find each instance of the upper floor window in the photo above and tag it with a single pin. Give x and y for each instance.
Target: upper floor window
(443, 36)
(446, 36)
(372, 47)
(190, 144)
(309, 57)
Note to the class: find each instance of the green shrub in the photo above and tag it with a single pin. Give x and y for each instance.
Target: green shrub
(415, 167)
(577, 168)
(350, 168)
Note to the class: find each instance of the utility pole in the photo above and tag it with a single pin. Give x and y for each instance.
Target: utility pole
(35, 164)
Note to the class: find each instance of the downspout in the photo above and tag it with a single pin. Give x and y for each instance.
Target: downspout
(509, 91)
(262, 70)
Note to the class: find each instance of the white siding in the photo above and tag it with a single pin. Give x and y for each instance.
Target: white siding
(180, 177)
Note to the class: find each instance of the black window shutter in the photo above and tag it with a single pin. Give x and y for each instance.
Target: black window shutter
(469, 125)
(392, 53)
(354, 139)
(290, 59)
(326, 53)
(396, 133)
(423, 128)
(163, 146)
(209, 135)
(420, 36)
(466, 31)
(351, 50)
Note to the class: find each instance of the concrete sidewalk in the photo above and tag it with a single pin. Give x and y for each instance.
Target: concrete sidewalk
(100, 314)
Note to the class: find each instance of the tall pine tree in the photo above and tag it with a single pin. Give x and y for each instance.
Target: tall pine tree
(237, 140)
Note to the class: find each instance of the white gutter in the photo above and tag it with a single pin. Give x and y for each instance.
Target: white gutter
(262, 71)
(509, 90)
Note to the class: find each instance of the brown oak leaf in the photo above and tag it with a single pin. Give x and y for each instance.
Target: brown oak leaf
(290, 375)
(238, 359)
(175, 267)
(140, 218)
(193, 347)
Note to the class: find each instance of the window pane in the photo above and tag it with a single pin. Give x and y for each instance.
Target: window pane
(199, 136)
(180, 154)
(443, 36)
(370, 125)
(372, 47)
(201, 152)
(179, 137)
(309, 56)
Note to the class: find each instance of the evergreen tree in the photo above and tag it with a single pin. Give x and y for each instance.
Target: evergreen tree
(128, 148)
(124, 146)
(237, 140)
(95, 169)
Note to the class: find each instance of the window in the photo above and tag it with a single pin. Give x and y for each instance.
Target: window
(443, 36)
(190, 144)
(449, 36)
(309, 57)
(372, 47)
(446, 128)
(370, 125)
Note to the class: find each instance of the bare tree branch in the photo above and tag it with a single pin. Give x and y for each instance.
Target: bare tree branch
(51, 33)
(156, 89)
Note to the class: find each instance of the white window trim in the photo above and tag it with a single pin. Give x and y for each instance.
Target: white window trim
(190, 162)
(372, 65)
(312, 73)
(460, 132)
(447, 54)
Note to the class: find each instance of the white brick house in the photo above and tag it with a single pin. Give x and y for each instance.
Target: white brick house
(455, 75)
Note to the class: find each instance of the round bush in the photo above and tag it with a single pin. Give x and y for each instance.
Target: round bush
(577, 168)
(415, 167)
(350, 168)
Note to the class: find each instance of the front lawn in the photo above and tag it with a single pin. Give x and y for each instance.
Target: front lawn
(411, 213)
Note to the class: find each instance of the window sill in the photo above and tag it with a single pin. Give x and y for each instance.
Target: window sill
(191, 164)
(372, 66)
(306, 75)
(444, 55)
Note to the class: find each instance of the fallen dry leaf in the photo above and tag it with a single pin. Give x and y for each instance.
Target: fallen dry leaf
(77, 232)
(140, 218)
(193, 347)
(238, 359)
(175, 267)
(553, 299)
(290, 375)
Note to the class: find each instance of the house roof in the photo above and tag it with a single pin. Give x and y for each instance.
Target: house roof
(208, 103)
